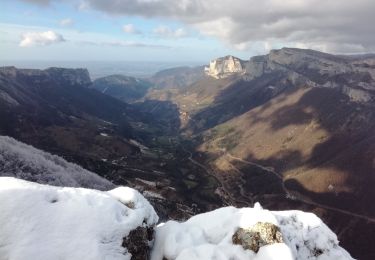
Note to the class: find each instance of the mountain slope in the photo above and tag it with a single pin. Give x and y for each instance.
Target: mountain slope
(54, 110)
(26, 162)
(319, 141)
(177, 77)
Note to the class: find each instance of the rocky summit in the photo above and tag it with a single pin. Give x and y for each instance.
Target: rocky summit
(224, 67)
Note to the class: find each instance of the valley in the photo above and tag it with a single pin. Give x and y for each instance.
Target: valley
(293, 129)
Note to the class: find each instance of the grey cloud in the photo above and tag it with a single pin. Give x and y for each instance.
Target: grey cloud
(335, 25)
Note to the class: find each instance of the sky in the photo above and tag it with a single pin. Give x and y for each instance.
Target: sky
(180, 30)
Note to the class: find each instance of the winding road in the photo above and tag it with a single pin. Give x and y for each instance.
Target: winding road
(367, 218)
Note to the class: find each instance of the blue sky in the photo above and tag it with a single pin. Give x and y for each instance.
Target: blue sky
(183, 30)
(93, 35)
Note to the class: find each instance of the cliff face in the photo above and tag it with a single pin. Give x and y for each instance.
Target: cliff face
(224, 67)
(72, 77)
(64, 76)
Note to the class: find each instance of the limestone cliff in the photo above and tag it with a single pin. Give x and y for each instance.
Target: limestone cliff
(225, 66)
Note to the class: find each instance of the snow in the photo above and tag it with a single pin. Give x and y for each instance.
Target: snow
(151, 194)
(209, 236)
(26, 162)
(45, 222)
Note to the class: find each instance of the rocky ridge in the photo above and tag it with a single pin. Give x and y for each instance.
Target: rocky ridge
(354, 75)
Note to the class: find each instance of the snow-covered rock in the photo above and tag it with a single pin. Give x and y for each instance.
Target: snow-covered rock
(45, 222)
(26, 162)
(209, 236)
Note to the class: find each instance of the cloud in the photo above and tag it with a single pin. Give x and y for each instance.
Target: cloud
(38, 2)
(130, 28)
(335, 25)
(40, 38)
(166, 32)
(66, 22)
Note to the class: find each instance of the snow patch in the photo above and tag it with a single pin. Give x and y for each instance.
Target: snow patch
(45, 222)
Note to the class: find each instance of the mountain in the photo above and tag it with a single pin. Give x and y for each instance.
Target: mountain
(127, 89)
(307, 115)
(263, 77)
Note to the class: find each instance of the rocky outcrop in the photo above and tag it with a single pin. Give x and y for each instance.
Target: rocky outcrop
(138, 242)
(224, 67)
(254, 237)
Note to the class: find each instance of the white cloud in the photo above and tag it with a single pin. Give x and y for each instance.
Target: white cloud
(167, 32)
(120, 43)
(40, 38)
(130, 28)
(66, 22)
(337, 25)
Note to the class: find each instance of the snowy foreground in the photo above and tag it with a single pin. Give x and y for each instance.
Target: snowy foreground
(45, 222)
